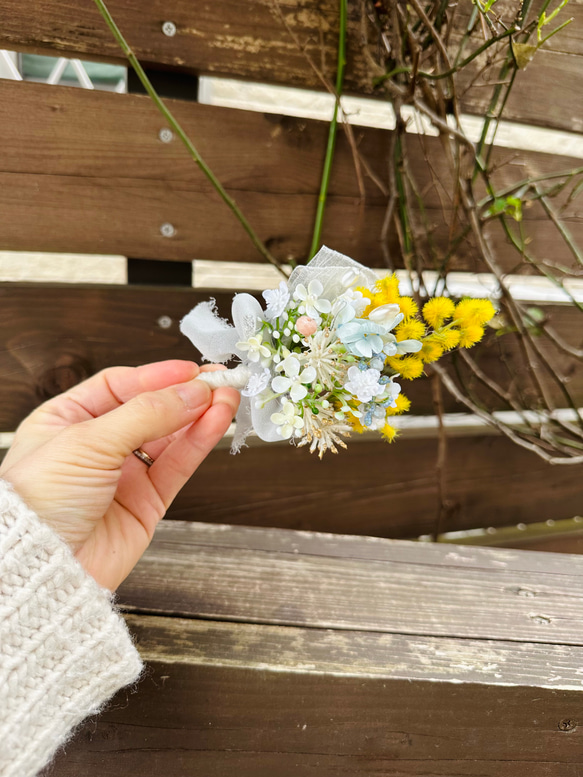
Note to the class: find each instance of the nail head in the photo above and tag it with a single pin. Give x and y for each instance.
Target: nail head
(169, 29)
(167, 230)
(166, 135)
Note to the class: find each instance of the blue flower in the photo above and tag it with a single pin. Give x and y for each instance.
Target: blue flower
(362, 337)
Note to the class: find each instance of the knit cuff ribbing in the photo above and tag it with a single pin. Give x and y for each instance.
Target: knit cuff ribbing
(63, 649)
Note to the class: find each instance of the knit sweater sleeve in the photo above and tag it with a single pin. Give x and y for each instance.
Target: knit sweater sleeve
(63, 649)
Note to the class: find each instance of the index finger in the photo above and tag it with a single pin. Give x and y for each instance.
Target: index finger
(114, 386)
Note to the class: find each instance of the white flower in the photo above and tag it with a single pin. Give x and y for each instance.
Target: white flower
(310, 304)
(343, 312)
(256, 384)
(390, 344)
(376, 417)
(393, 390)
(349, 278)
(276, 300)
(387, 315)
(364, 384)
(357, 301)
(409, 346)
(255, 348)
(294, 380)
(288, 422)
(392, 347)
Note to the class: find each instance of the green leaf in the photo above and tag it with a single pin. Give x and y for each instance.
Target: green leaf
(511, 206)
(514, 208)
(536, 315)
(523, 53)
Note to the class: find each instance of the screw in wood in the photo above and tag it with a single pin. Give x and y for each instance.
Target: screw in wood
(167, 230)
(169, 29)
(164, 322)
(166, 135)
(567, 724)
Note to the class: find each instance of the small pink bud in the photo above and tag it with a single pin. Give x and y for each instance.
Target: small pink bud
(306, 326)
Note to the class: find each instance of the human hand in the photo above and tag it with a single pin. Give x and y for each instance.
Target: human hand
(71, 459)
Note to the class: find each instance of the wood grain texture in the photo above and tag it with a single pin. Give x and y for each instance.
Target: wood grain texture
(376, 489)
(267, 700)
(53, 336)
(171, 534)
(309, 658)
(355, 653)
(247, 39)
(214, 721)
(300, 589)
(87, 172)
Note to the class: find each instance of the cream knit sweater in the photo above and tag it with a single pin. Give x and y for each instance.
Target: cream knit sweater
(63, 649)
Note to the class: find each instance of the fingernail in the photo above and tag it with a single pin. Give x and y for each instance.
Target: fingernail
(194, 393)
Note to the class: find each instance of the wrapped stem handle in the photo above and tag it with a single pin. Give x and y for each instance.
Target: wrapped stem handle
(236, 378)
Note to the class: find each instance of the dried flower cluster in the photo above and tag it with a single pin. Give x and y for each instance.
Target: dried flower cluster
(332, 362)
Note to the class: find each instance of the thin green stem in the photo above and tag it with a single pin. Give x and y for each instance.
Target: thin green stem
(568, 174)
(509, 535)
(452, 70)
(499, 117)
(469, 29)
(332, 131)
(562, 229)
(146, 83)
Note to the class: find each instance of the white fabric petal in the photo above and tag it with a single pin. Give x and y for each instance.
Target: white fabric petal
(280, 384)
(298, 392)
(409, 346)
(300, 291)
(214, 337)
(308, 375)
(291, 366)
(362, 348)
(315, 288)
(246, 312)
(384, 313)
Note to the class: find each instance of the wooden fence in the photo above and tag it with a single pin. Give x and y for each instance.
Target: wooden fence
(86, 172)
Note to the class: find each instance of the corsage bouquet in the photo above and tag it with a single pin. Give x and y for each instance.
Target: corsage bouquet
(327, 354)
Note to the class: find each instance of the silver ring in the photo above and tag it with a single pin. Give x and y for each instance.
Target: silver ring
(143, 456)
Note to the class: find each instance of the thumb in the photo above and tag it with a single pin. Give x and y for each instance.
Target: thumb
(148, 416)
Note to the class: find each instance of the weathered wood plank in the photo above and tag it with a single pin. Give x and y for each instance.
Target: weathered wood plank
(123, 216)
(87, 172)
(97, 134)
(300, 589)
(171, 534)
(55, 213)
(53, 336)
(145, 760)
(376, 489)
(247, 38)
(263, 701)
(363, 654)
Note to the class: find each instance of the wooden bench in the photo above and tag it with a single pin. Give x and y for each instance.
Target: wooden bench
(273, 652)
